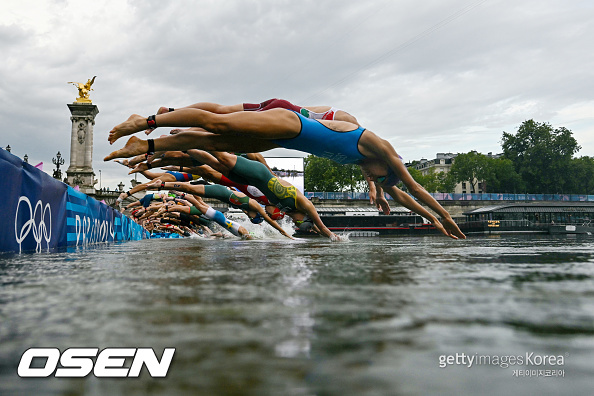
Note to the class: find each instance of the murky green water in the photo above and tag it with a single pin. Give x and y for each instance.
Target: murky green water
(368, 317)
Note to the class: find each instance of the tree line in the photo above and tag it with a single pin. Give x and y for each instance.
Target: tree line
(537, 159)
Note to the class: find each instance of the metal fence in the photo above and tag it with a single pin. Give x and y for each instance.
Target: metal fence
(464, 197)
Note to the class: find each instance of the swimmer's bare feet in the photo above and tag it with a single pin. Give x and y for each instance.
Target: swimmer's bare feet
(154, 184)
(162, 110)
(139, 168)
(137, 160)
(134, 146)
(125, 162)
(135, 123)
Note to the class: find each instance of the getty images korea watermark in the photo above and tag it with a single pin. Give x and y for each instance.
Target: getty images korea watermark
(529, 364)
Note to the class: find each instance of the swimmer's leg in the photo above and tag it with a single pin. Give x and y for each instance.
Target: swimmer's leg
(230, 225)
(192, 140)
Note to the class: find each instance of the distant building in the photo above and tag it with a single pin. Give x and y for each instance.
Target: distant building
(443, 163)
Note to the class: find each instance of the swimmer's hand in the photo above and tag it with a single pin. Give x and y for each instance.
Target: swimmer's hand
(449, 228)
(453, 229)
(287, 235)
(339, 238)
(382, 204)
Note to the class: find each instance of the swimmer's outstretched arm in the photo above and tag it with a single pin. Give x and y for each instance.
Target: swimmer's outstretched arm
(189, 188)
(256, 207)
(382, 149)
(380, 200)
(448, 227)
(306, 206)
(142, 186)
(372, 189)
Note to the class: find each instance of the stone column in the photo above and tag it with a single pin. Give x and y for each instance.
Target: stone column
(80, 172)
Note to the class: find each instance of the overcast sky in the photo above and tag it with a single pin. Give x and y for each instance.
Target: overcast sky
(430, 76)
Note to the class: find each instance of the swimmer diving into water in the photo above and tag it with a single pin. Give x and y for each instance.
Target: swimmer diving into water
(340, 141)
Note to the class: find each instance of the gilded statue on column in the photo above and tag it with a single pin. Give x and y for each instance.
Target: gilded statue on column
(83, 90)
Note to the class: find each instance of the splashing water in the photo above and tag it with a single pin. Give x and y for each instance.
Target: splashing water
(342, 237)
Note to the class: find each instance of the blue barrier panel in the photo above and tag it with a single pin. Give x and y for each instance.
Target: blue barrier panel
(41, 213)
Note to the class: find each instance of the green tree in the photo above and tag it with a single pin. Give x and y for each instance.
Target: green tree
(433, 181)
(501, 177)
(322, 174)
(541, 155)
(580, 176)
(470, 167)
(448, 184)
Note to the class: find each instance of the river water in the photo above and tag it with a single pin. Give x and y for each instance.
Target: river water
(370, 316)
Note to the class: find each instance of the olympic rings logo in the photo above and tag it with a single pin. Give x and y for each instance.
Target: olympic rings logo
(40, 230)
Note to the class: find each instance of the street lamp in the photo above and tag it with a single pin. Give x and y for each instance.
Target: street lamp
(58, 161)
(99, 179)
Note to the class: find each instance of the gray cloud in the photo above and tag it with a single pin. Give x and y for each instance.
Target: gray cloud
(430, 77)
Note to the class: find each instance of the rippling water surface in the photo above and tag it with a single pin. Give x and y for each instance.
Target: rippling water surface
(371, 316)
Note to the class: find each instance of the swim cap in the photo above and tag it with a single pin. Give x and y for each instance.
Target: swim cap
(306, 224)
(276, 214)
(258, 219)
(390, 179)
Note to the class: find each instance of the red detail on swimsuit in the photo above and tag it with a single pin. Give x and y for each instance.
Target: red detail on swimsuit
(244, 189)
(271, 104)
(329, 115)
(234, 201)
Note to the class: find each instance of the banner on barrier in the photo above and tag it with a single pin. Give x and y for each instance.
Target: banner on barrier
(41, 213)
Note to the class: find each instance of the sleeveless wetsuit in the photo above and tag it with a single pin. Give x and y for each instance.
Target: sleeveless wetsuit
(316, 138)
(256, 174)
(183, 176)
(146, 200)
(194, 211)
(218, 218)
(223, 194)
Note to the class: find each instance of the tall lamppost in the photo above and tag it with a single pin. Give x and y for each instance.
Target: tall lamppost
(99, 179)
(58, 161)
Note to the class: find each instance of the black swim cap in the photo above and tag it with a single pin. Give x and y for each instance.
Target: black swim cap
(257, 219)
